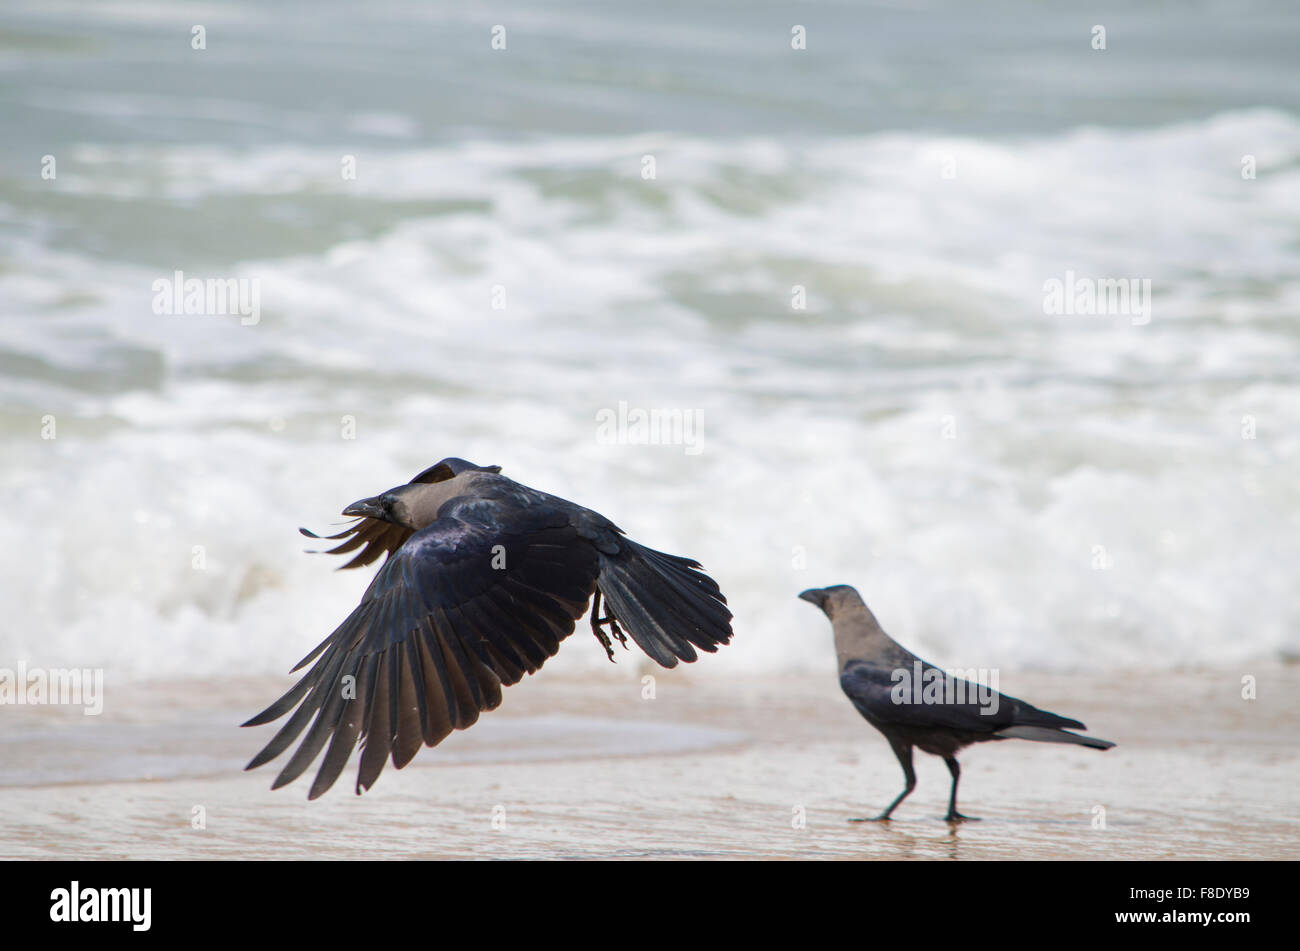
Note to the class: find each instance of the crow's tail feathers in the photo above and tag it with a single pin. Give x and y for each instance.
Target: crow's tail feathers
(1041, 734)
(664, 602)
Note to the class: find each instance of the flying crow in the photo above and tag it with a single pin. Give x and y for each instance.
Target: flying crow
(482, 580)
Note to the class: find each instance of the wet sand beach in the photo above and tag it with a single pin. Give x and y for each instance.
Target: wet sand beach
(964, 310)
(585, 768)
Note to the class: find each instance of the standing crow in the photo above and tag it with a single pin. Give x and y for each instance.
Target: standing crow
(483, 580)
(940, 714)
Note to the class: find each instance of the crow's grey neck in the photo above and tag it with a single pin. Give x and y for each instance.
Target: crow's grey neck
(427, 499)
(859, 636)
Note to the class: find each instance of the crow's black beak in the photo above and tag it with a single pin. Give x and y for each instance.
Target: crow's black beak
(815, 596)
(367, 508)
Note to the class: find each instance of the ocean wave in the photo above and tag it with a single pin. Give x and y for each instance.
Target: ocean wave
(1006, 487)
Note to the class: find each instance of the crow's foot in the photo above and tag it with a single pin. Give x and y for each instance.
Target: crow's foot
(609, 620)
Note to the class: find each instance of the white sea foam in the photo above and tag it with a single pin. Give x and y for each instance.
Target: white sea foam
(1007, 488)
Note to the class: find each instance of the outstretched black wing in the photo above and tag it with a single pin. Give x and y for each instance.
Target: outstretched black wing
(667, 604)
(474, 600)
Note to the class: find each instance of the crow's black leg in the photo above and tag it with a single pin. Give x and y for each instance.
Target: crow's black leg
(953, 814)
(904, 753)
(597, 621)
(595, 626)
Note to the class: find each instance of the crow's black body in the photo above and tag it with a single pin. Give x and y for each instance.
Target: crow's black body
(939, 715)
(484, 579)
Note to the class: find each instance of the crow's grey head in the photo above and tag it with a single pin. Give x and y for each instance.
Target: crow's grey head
(831, 598)
(416, 504)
